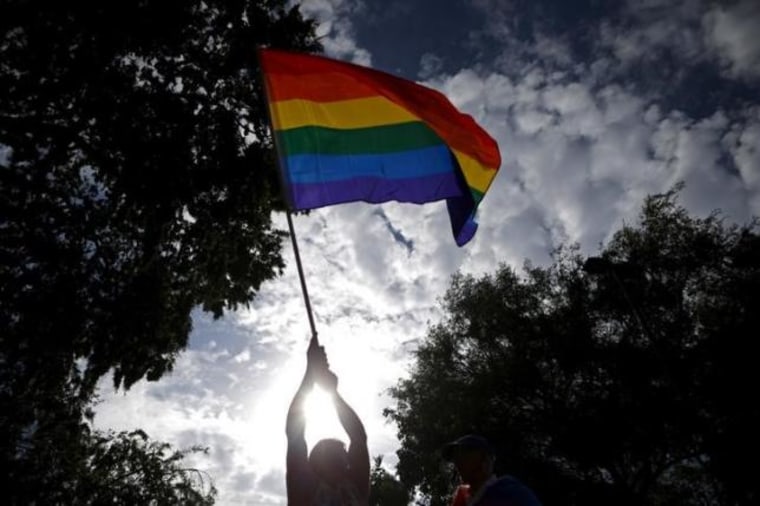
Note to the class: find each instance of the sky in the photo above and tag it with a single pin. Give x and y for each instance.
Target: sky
(594, 104)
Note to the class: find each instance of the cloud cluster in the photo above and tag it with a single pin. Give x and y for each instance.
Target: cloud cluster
(584, 134)
(585, 143)
(335, 28)
(730, 31)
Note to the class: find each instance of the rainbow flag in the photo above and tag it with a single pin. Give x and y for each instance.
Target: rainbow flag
(349, 133)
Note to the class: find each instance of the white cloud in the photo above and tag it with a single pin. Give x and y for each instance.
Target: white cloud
(685, 32)
(243, 356)
(579, 155)
(553, 50)
(430, 65)
(742, 141)
(653, 29)
(588, 155)
(694, 31)
(578, 110)
(732, 32)
(370, 298)
(5, 155)
(746, 151)
(335, 29)
(500, 18)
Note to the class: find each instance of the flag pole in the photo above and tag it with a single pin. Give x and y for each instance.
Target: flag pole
(301, 277)
(286, 198)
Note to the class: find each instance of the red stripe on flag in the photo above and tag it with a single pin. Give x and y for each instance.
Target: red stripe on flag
(296, 75)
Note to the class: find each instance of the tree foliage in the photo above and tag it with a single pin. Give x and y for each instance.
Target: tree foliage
(620, 379)
(385, 489)
(107, 468)
(137, 183)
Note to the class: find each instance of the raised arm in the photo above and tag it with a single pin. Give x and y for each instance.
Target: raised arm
(358, 454)
(298, 477)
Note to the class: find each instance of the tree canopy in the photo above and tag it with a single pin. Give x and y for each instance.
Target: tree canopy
(385, 489)
(617, 379)
(96, 467)
(138, 181)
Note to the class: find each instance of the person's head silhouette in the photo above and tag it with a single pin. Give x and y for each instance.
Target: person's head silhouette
(330, 473)
(329, 460)
(473, 456)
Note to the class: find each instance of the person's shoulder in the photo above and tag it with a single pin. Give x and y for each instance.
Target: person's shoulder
(508, 491)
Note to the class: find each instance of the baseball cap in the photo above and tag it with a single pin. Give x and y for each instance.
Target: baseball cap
(468, 442)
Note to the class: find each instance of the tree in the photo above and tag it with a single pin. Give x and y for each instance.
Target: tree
(109, 468)
(385, 489)
(138, 181)
(616, 379)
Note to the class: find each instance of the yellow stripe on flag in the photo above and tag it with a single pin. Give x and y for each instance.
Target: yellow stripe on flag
(477, 175)
(343, 114)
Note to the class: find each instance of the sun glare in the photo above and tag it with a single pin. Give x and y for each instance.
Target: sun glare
(321, 419)
(267, 419)
(361, 378)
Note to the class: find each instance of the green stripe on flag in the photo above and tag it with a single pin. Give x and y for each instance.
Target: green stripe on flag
(380, 139)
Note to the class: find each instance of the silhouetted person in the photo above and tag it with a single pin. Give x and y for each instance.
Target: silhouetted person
(330, 475)
(474, 459)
